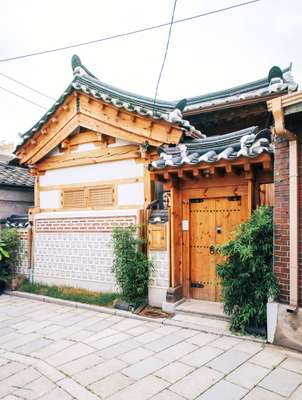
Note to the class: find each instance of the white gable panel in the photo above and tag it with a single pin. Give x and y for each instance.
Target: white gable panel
(120, 142)
(92, 173)
(130, 194)
(50, 199)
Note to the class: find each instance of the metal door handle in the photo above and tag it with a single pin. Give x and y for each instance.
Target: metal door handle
(212, 249)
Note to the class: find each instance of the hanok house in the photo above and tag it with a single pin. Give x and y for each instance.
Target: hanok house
(16, 190)
(104, 157)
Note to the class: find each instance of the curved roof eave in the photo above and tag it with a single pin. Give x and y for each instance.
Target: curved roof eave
(86, 82)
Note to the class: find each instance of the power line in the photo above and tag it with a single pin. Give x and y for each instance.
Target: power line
(149, 28)
(27, 86)
(23, 98)
(165, 55)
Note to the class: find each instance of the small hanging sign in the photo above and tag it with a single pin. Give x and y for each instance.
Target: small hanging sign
(185, 225)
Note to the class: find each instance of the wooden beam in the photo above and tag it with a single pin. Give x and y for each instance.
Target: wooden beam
(55, 140)
(98, 155)
(159, 131)
(47, 132)
(97, 125)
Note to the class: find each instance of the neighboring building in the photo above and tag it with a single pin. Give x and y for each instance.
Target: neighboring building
(285, 317)
(6, 151)
(104, 157)
(16, 190)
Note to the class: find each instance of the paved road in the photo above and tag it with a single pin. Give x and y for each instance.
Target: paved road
(52, 352)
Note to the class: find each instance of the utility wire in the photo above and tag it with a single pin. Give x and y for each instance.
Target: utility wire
(165, 55)
(149, 28)
(23, 98)
(27, 86)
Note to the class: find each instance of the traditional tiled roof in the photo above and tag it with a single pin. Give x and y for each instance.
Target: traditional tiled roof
(171, 111)
(15, 176)
(15, 221)
(84, 81)
(283, 83)
(247, 143)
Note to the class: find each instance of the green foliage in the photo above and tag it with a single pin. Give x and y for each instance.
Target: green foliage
(130, 265)
(69, 293)
(247, 276)
(9, 245)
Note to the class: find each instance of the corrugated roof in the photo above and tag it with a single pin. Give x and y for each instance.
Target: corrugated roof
(15, 176)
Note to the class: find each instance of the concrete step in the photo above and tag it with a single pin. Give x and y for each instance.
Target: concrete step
(202, 309)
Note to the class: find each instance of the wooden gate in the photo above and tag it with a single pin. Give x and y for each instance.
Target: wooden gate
(211, 223)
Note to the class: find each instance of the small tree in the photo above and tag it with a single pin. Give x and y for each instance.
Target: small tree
(9, 245)
(130, 265)
(247, 276)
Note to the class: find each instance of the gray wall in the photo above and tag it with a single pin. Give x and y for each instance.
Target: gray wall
(14, 201)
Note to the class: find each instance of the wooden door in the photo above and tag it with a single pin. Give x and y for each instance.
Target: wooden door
(211, 223)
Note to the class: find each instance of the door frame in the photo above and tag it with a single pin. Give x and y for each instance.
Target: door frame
(239, 190)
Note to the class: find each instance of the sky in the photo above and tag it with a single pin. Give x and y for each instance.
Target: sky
(206, 54)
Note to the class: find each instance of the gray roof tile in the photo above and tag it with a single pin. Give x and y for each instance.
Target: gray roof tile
(86, 82)
(11, 175)
(247, 143)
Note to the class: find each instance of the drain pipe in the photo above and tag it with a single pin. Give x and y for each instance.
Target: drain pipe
(280, 130)
(293, 226)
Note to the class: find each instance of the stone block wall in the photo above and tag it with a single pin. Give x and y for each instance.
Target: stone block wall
(77, 251)
(160, 276)
(281, 218)
(23, 256)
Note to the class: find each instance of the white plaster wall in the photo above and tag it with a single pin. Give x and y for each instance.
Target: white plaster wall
(120, 142)
(130, 193)
(50, 199)
(84, 147)
(93, 173)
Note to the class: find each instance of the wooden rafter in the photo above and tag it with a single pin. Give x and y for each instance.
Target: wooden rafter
(102, 119)
(204, 169)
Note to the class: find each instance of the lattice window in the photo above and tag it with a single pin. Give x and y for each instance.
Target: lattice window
(74, 198)
(102, 196)
(88, 197)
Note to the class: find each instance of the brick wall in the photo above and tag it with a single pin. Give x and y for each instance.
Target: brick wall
(82, 224)
(76, 251)
(281, 218)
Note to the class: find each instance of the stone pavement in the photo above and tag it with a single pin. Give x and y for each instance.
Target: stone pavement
(54, 352)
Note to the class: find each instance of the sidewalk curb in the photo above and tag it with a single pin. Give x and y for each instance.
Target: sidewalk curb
(126, 314)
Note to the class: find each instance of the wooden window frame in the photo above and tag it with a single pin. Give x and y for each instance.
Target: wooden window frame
(87, 197)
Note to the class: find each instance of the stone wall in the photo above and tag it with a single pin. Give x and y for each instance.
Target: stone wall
(160, 276)
(75, 249)
(23, 256)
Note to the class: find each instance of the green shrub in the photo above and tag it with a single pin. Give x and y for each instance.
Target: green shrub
(130, 265)
(247, 276)
(9, 245)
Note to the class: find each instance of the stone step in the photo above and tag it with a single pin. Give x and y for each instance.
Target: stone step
(212, 325)
(202, 309)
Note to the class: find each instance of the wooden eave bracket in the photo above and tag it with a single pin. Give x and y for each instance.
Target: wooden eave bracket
(279, 128)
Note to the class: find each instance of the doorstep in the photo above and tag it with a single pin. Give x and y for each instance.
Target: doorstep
(201, 308)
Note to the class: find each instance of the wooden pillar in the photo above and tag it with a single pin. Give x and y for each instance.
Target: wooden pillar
(250, 193)
(176, 235)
